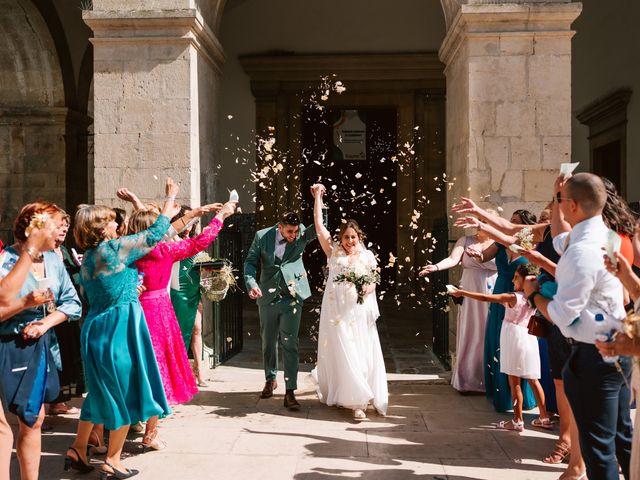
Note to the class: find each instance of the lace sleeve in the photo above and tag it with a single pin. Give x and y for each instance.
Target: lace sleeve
(133, 247)
(189, 247)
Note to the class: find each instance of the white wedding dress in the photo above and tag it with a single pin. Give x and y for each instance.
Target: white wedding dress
(350, 371)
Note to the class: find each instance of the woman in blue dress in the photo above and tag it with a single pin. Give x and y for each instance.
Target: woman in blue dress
(123, 381)
(28, 374)
(497, 384)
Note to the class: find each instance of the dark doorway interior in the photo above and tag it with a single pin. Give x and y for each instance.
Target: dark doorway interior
(363, 189)
(607, 161)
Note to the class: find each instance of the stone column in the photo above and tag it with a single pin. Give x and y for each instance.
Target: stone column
(508, 69)
(155, 76)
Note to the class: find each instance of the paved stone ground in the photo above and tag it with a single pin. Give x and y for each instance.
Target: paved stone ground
(227, 432)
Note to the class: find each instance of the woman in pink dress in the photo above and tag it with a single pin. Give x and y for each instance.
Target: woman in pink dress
(173, 363)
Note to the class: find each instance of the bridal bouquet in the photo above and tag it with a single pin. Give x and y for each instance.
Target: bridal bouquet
(359, 276)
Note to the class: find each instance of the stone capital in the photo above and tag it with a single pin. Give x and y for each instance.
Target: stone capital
(481, 20)
(155, 27)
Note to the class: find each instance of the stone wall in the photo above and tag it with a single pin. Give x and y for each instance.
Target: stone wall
(601, 65)
(509, 101)
(147, 109)
(32, 113)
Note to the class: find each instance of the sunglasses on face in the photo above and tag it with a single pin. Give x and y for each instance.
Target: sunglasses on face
(559, 198)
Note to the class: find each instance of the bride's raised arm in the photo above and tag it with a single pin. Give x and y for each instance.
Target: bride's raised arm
(324, 237)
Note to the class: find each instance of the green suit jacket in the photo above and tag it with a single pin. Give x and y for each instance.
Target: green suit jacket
(275, 278)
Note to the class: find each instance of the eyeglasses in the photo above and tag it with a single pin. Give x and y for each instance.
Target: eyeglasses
(559, 198)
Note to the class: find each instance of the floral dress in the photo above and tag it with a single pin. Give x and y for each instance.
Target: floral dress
(171, 355)
(121, 371)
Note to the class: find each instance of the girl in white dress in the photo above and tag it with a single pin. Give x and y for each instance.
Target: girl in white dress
(350, 372)
(519, 354)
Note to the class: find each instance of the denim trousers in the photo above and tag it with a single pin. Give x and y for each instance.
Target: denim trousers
(599, 395)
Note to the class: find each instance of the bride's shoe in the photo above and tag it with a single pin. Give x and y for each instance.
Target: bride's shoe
(359, 415)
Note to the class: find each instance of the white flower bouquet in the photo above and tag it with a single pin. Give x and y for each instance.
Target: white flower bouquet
(359, 275)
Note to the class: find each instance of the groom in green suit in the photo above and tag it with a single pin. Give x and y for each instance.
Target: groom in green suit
(282, 288)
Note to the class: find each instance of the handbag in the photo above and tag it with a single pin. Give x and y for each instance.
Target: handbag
(538, 326)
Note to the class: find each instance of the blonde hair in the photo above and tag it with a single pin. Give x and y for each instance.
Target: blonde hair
(141, 220)
(89, 224)
(153, 207)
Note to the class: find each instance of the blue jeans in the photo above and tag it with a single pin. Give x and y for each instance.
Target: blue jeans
(599, 398)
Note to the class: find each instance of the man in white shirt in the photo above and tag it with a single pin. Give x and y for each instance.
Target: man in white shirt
(588, 303)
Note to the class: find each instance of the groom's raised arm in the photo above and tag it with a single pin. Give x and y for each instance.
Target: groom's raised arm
(251, 264)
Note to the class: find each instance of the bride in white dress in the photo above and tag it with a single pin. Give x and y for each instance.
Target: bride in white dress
(350, 372)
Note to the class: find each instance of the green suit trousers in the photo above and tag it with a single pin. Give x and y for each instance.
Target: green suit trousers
(280, 322)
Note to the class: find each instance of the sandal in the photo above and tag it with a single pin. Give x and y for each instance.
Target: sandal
(151, 441)
(136, 427)
(359, 415)
(560, 451)
(542, 422)
(511, 425)
(198, 377)
(96, 444)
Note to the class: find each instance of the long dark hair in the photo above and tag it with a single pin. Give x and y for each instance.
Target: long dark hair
(616, 213)
(526, 217)
(183, 211)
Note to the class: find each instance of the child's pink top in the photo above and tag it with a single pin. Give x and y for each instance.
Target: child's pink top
(520, 313)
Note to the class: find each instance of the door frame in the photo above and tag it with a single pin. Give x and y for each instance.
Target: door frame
(413, 83)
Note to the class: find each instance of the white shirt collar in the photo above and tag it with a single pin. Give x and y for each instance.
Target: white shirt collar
(584, 229)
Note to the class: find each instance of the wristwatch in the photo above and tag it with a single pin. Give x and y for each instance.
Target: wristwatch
(531, 299)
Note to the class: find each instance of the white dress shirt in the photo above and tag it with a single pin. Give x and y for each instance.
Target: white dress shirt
(281, 244)
(585, 287)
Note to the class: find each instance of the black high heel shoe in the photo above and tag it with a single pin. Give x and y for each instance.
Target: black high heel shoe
(104, 475)
(76, 463)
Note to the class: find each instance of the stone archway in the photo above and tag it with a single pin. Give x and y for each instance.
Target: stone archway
(32, 113)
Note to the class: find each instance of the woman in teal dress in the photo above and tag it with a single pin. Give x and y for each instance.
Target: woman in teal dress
(497, 383)
(122, 375)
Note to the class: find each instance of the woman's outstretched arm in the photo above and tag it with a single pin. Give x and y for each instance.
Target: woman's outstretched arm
(324, 237)
(504, 298)
(451, 261)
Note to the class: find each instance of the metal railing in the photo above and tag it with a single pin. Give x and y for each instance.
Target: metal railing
(223, 329)
(439, 280)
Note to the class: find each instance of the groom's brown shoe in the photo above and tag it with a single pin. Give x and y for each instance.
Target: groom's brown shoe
(290, 401)
(269, 387)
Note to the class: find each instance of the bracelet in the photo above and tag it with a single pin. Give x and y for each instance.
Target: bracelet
(34, 254)
(437, 267)
(171, 198)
